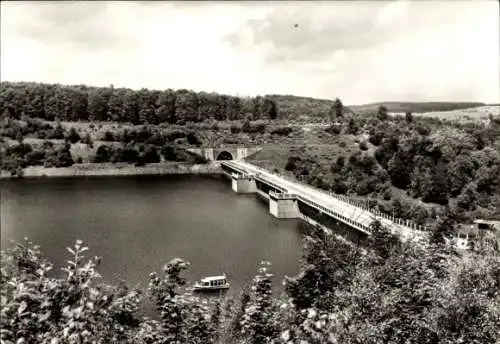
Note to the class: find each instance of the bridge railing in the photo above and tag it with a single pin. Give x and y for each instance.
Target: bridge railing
(282, 195)
(398, 221)
(337, 215)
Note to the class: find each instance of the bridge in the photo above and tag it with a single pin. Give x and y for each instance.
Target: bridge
(287, 200)
(225, 152)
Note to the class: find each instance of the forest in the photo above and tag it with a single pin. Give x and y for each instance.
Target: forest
(83, 103)
(387, 291)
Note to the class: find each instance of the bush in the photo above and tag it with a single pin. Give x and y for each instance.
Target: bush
(150, 155)
(363, 145)
(352, 127)
(87, 140)
(376, 137)
(73, 136)
(292, 163)
(156, 139)
(340, 187)
(334, 129)
(103, 154)
(174, 135)
(108, 137)
(246, 128)
(59, 158)
(35, 158)
(57, 133)
(169, 153)
(230, 140)
(235, 129)
(283, 131)
(192, 139)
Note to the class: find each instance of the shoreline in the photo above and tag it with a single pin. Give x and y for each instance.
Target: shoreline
(118, 169)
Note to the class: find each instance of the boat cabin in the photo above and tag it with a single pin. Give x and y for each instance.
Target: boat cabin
(213, 281)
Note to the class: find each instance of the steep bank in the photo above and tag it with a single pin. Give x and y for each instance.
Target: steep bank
(118, 169)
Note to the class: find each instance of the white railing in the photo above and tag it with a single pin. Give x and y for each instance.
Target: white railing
(361, 205)
(282, 195)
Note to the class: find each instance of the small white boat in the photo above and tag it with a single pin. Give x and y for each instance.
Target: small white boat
(212, 283)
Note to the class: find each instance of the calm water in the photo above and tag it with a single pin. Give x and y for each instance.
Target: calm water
(136, 224)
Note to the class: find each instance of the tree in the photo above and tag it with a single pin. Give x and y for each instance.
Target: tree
(337, 109)
(165, 107)
(382, 113)
(103, 154)
(87, 140)
(96, 106)
(150, 155)
(257, 322)
(468, 198)
(147, 101)
(59, 158)
(408, 117)
(169, 304)
(192, 139)
(443, 230)
(57, 132)
(270, 108)
(246, 127)
(130, 109)
(352, 127)
(400, 168)
(382, 241)
(73, 136)
(108, 136)
(186, 106)
(257, 110)
(236, 327)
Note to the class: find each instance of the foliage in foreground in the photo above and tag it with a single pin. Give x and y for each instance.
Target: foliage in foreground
(392, 292)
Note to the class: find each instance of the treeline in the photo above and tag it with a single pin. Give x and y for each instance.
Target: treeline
(145, 154)
(85, 103)
(390, 292)
(16, 157)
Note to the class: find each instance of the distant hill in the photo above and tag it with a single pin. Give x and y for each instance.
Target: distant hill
(416, 107)
(295, 107)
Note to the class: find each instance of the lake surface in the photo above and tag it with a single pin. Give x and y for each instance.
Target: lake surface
(137, 224)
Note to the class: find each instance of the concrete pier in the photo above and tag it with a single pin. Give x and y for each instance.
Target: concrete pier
(283, 206)
(243, 183)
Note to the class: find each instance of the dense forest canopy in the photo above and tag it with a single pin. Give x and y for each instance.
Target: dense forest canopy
(85, 103)
(82, 103)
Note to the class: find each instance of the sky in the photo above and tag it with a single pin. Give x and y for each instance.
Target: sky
(357, 51)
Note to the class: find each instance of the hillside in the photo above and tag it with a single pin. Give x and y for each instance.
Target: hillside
(415, 107)
(480, 113)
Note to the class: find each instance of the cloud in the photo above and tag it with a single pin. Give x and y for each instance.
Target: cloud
(358, 51)
(335, 26)
(81, 25)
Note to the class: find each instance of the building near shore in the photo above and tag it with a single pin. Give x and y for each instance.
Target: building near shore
(479, 234)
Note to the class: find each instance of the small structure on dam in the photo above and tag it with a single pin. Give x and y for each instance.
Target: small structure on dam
(226, 152)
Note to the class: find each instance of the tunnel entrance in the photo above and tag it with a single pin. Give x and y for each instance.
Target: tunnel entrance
(224, 155)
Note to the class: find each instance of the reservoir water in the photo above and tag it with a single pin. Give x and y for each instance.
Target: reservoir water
(137, 224)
